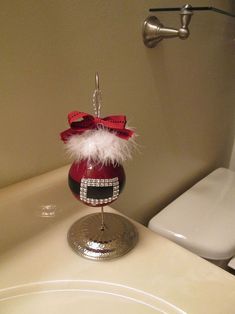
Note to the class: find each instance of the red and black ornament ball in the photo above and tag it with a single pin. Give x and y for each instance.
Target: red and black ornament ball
(96, 184)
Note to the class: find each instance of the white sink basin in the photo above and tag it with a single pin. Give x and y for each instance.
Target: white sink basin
(41, 274)
(71, 296)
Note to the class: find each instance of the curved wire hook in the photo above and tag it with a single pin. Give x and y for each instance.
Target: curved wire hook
(96, 100)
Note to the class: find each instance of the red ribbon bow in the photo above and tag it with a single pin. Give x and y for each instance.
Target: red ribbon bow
(81, 122)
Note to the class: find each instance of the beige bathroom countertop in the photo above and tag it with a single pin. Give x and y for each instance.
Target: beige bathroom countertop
(34, 250)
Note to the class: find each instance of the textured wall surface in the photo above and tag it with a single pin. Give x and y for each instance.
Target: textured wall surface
(179, 96)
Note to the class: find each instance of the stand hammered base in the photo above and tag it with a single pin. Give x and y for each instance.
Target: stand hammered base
(88, 239)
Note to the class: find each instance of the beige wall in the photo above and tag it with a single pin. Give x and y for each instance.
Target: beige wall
(232, 159)
(180, 95)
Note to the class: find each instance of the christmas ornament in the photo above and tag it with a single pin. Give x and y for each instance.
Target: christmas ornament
(99, 146)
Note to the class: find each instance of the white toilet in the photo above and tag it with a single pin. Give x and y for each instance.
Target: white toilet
(202, 219)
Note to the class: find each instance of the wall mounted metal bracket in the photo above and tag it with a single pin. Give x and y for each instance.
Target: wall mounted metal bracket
(154, 31)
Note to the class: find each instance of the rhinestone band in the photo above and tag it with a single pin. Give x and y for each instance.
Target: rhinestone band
(99, 183)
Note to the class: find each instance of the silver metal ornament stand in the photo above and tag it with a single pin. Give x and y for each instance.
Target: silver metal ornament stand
(103, 235)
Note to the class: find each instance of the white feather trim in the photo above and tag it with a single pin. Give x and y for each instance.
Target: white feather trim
(100, 146)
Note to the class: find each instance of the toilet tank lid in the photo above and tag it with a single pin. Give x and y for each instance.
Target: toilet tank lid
(203, 218)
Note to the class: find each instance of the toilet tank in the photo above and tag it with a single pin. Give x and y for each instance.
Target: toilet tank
(203, 218)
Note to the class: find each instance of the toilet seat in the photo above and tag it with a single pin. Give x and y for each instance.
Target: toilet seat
(203, 218)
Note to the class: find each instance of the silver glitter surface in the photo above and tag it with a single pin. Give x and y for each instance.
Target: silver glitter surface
(86, 182)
